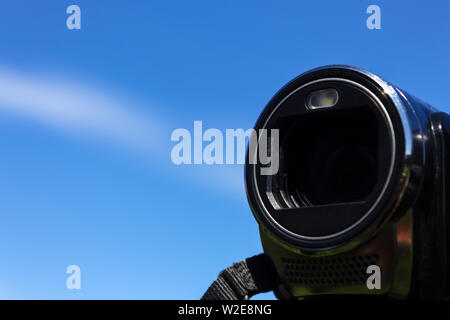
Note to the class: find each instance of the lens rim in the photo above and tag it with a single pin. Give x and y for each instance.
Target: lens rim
(402, 123)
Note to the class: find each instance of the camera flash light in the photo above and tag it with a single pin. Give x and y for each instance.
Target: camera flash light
(324, 98)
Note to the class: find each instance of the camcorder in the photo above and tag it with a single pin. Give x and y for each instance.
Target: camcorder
(358, 206)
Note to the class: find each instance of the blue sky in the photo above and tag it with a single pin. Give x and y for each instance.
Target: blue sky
(86, 117)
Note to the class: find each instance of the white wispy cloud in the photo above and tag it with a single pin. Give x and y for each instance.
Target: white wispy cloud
(76, 108)
(85, 109)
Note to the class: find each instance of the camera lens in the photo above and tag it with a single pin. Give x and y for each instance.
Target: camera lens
(336, 155)
(348, 174)
(345, 145)
(331, 157)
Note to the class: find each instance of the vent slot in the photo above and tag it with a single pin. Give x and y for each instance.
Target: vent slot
(316, 272)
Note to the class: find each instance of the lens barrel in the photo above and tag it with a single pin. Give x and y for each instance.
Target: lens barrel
(351, 150)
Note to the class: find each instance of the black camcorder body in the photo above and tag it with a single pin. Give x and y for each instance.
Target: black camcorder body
(361, 188)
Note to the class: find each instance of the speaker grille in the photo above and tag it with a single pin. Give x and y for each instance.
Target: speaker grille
(328, 271)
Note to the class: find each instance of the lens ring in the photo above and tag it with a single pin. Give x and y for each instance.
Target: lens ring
(386, 116)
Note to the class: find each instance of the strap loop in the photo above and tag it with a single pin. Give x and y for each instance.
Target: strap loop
(244, 279)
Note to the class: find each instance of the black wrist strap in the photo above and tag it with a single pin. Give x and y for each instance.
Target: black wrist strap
(244, 279)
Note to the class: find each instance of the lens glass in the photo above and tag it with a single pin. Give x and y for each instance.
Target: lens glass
(329, 157)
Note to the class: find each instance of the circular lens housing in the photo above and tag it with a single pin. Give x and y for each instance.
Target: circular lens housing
(341, 141)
